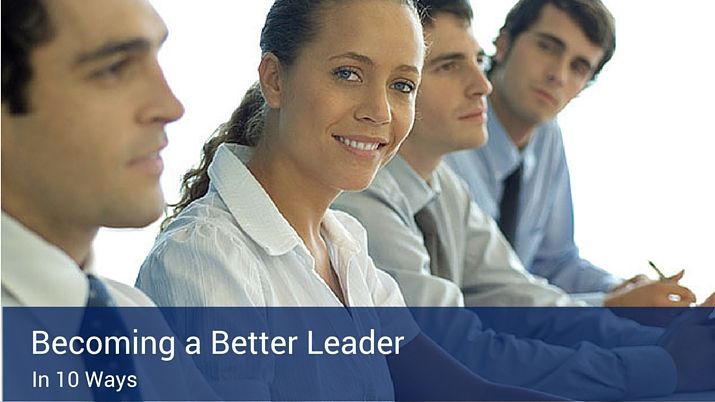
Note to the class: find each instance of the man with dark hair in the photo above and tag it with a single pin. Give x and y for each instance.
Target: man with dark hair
(444, 251)
(84, 105)
(548, 51)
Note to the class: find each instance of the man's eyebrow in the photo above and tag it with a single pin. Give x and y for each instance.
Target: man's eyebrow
(115, 47)
(551, 38)
(447, 57)
(558, 42)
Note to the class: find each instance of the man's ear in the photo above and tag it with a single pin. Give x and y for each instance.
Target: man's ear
(502, 43)
(271, 80)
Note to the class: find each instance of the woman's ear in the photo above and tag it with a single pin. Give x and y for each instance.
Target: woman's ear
(270, 77)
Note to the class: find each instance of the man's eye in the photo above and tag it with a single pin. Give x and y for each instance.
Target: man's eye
(452, 65)
(346, 74)
(546, 46)
(581, 69)
(113, 70)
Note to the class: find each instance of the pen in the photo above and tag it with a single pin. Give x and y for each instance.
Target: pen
(658, 271)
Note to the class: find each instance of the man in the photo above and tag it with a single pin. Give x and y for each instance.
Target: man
(548, 51)
(84, 106)
(424, 229)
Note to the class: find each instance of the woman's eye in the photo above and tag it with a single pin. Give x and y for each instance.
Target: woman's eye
(346, 74)
(404, 87)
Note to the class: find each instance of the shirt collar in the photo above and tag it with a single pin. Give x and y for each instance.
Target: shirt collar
(248, 201)
(37, 273)
(339, 236)
(416, 189)
(501, 152)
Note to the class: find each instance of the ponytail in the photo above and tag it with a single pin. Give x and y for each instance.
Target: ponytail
(245, 128)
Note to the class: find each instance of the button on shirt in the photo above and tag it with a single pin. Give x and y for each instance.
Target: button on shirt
(233, 247)
(544, 239)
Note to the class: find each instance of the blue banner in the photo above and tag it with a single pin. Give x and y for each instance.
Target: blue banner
(183, 354)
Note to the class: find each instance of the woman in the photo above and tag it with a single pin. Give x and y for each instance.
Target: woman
(335, 99)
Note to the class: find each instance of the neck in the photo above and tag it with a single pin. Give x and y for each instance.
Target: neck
(519, 130)
(299, 198)
(73, 239)
(421, 157)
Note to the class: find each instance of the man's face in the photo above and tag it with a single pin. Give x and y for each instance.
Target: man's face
(451, 104)
(544, 68)
(87, 153)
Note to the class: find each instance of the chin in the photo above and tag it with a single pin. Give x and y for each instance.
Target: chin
(356, 184)
(137, 213)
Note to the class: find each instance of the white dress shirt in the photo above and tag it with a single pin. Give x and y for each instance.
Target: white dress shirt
(36, 273)
(233, 247)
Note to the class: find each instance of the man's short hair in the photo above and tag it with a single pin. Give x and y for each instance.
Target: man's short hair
(591, 16)
(430, 9)
(25, 25)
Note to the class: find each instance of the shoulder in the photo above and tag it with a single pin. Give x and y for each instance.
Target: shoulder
(384, 186)
(205, 223)
(381, 201)
(453, 186)
(203, 258)
(127, 296)
(549, 135)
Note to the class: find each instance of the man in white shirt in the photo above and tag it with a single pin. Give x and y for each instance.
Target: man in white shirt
(84, 105)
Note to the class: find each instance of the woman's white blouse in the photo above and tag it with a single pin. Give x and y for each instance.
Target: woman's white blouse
(234, 248)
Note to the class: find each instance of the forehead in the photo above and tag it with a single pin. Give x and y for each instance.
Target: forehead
(384, 30)
(82, 25)
(559, 24)
(450, 34)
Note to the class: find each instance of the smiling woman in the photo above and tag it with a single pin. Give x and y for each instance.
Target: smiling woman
(253, 226)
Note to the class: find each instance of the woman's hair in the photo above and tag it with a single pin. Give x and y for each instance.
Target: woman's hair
(290, 25)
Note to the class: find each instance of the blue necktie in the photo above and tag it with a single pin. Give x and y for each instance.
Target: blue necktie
(509, 205)
(102, 319)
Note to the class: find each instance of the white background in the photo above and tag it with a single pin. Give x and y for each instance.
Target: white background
(639, 142)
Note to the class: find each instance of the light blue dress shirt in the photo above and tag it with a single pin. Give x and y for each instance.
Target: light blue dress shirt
(544, 238)
(591, 355)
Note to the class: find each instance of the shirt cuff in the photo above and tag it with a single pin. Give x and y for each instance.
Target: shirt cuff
(594, 299)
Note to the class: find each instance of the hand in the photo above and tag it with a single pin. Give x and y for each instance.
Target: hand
(652, 294)
(690, 340)
(635, 281)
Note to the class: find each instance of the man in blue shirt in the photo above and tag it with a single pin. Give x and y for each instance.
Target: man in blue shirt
(548, 51)
(424, 229)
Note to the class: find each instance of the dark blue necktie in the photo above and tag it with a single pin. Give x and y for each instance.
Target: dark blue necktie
(102, 319)
(509, 205)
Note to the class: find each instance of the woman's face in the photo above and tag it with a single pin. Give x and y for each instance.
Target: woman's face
(348, 100)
